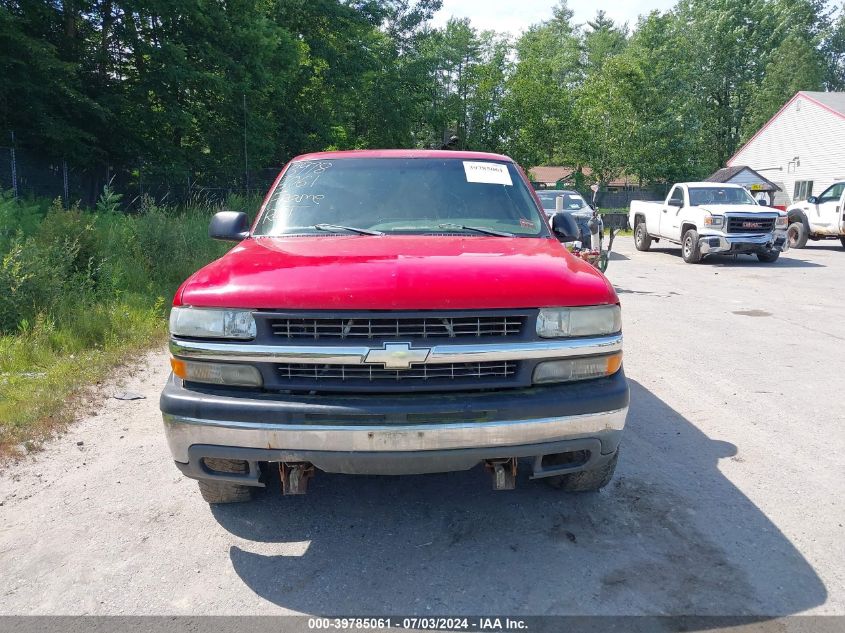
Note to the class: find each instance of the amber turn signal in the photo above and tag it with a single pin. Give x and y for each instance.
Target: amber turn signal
(178, 367)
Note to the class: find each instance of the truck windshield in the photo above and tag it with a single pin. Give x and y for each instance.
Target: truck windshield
(571, 201)
(401, 196)
(708, 196)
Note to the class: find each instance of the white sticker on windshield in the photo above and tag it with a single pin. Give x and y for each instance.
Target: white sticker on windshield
(490, 173)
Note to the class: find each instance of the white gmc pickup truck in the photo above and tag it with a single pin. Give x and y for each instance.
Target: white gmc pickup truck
(707, 218)
(818, 217)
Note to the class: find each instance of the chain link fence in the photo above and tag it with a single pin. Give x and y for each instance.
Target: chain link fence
(26, 174)
(623, 199)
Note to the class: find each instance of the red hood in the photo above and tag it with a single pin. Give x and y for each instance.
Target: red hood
(401, 273)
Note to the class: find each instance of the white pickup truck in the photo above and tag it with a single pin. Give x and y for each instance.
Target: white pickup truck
(707, 218)
(818, 217)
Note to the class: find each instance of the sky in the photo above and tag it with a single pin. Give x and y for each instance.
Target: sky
(515, 16)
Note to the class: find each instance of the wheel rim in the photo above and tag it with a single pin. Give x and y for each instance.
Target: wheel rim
(687, 247)
(640, 234)
(792, 236)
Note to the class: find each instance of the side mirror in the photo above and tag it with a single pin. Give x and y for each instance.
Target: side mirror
(676, 203)
(565, 227)
(230, 226)
(813, 200)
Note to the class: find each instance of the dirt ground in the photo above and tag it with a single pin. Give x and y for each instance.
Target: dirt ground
(728, 498)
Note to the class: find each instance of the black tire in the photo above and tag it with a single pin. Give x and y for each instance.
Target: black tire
(842, 241)
(642, 240)
(591, 480)
(797, 234)
(223, 492)
(768, 257)
(690, 248)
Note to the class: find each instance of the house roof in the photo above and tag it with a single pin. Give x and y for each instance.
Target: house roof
(555, 173)
(831, 101)
(726, 174)
(550, 173)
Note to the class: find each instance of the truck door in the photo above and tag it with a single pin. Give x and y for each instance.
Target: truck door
(670, 220)
(825, 215)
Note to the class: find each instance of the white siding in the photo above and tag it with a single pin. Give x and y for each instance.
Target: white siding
(804, 129)
(745, 177)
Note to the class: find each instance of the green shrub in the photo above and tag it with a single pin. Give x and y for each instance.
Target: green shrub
(81, 290)
(33, 278)
(109, 201)
(21, 216)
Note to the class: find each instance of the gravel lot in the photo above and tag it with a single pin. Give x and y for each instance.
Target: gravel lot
(728, 499)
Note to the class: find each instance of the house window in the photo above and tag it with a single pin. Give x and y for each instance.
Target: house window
(803, 190)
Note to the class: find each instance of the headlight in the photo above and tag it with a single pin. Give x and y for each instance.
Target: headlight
(572, 369)
(589, 321)
(714, 221)
(217, 373)
(211, 323)
(782, 222)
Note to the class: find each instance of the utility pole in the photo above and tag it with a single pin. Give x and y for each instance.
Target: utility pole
(65, 183)
(14, 168)
(246, 157)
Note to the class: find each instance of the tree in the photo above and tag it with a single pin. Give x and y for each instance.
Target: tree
(608, 106)
(43, 99)
(187, 90)
(670, 136)
(602, 41)
(539, 105)
(833, 50)
(795, 65)
(727, 41)
(484, 123)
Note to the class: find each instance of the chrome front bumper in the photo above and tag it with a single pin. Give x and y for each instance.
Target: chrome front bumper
(715, 244)
(401, 450)
(184, 432)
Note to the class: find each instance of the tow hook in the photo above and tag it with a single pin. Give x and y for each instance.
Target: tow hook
(503, 471)
(295, 477)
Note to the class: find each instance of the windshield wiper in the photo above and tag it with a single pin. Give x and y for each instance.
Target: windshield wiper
(478, 229)
(352, 229)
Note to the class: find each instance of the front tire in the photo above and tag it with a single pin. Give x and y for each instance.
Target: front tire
(591, 480)
(222, 491)
(642, 240)
(768, 257)
(797, 234)
(690, 247)
(842, 241)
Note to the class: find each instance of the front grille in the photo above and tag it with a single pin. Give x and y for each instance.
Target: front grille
(418, 373)
(750, 224)
(383, 327)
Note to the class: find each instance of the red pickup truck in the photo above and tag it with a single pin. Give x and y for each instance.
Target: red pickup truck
(395, 312)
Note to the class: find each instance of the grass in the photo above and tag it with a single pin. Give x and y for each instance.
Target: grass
(80, 292)
(42, 369)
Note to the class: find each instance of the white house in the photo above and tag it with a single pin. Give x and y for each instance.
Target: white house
(802, 148)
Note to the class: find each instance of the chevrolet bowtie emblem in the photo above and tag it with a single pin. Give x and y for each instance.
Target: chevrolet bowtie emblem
(397, 356)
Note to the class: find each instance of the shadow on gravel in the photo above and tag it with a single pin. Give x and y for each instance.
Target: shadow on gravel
(826, 245)
(784, 261)
(670, 535)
